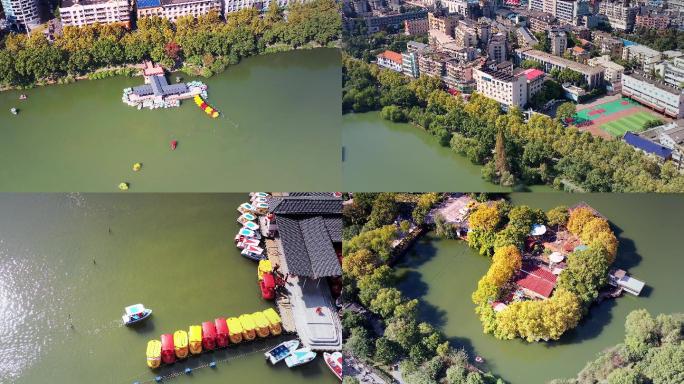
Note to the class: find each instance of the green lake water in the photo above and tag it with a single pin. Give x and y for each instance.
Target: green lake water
(91, 255)
(279, 130)
(445, 273)
(380, 155)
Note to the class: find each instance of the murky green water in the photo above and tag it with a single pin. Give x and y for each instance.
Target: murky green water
(445, 273)
(91, 255)
(279, 130)
(384, 156)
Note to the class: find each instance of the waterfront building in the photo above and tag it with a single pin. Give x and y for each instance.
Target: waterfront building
(173, 9)
(262, 5)
(409, 59)
(502, 86)
(535, 81)
(432, 64)
(23, 13)
(391, 60)
(620, 14)
(459, 76)
(416, 27)
(559, 41)
(496, 49)
(310, 242)
(661, 96)
(593, 76)
(642, 54)
(77, 13)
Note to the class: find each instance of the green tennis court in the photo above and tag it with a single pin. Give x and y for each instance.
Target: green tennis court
(634, 123)
(605, 109)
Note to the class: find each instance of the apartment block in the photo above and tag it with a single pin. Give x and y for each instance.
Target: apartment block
(620, 14)
(24, 13)
(416, 27)
(390, 60)
(509, 90)
(662, 97)
(77, 13)
(173, 9)
(593, 76)
(642, 54)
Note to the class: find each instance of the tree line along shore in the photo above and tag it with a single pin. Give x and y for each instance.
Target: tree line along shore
(511, 150)
(198, 46)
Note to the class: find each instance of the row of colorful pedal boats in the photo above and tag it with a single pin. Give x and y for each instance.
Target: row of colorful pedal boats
(212, 335)
(248, 238)
(205, 107)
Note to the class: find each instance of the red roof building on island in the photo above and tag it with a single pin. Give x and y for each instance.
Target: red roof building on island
(536, 281)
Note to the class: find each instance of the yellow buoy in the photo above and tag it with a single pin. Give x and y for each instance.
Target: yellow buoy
(123, 186)
(136, 167)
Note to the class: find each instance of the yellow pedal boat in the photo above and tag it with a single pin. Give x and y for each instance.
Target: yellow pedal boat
(154, 353)
(234, 329)
(195, 339)
(180, 344)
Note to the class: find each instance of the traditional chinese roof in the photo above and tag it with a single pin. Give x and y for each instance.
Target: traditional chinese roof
(536, 279)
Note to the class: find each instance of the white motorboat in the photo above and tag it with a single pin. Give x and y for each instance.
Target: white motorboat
(281, 351)
(299, 357)
(135, 314)
(250, 225)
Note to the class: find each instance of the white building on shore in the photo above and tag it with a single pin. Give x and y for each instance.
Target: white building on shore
(77, 13)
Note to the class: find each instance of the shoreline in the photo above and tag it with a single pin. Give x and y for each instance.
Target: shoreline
(112, 71)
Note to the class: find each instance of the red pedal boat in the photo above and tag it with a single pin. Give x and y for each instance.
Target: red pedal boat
(168, 351)
(208, 335)
(334, 362)
(174, 144)
(267, 286)
(222, 335)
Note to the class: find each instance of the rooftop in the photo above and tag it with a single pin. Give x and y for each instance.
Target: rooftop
(504, 76)
(392, 56)
(309, 226)
(646, 145)
(561, 62)
(532, 73)
(70, 3)
(656, 83)
(536, 279)
(148, 3)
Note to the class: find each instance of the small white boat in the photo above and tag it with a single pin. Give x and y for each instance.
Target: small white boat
(261, 208)
(245, 217)
(247, 241)
(258, 199)
(244, 232)
(254, 195)
(246, 208)
(253, 252)
(299, 357)
(252, 226)
(281, 351)
(135, 314)
(14, 111)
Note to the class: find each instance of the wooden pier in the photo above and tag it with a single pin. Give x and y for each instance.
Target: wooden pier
(282, 301)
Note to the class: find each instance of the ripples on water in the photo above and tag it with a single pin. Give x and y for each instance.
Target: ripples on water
(31, 315)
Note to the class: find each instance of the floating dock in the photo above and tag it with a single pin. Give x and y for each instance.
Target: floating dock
(158, 93)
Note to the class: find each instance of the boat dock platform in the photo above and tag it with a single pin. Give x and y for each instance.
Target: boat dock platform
(282, 301)
(158, 93)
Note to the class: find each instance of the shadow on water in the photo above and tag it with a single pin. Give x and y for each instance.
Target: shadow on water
(143, 328)
(627, 256)
(591, 326)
